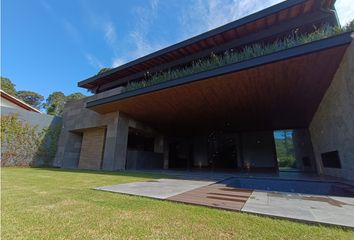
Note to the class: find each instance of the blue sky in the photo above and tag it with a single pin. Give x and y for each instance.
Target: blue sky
(50, 45)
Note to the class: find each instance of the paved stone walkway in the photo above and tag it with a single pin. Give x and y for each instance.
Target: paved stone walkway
(304, 207)
(310, 208)
(161, 188)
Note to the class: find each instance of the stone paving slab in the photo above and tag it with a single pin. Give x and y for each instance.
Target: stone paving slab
(161, 188)
(304, 207)
(310, 208)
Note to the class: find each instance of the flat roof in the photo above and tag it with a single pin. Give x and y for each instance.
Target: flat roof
(253, 94)
(286, 15)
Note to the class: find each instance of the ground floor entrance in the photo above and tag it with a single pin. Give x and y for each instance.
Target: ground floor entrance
(216, 150)
(225, 151)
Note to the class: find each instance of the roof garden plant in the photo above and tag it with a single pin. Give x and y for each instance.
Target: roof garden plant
(234, 56)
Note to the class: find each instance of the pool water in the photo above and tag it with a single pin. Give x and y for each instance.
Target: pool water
(292, 186)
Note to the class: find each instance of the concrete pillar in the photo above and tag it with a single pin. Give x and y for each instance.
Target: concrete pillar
(109, 146)
(165, 155)
(115, 148)
(121, 142)
(71, 153)
(159, 144)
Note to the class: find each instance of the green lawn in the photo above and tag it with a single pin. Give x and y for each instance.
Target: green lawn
(59, 204)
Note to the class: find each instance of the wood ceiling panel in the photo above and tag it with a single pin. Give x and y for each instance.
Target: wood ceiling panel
(279, 95)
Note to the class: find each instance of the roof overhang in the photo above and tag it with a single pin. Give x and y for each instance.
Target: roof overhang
(276, 91)
(18, 102)
(273, 22)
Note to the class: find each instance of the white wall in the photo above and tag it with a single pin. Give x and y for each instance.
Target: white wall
(7, 103)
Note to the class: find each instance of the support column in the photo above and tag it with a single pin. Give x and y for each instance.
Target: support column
(121, 142)
(159, 144)
(166, 155)
(116, 143)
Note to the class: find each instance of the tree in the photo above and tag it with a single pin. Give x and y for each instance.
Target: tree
(55, 103)
(74, 97)
(32, 98)
(8, 86)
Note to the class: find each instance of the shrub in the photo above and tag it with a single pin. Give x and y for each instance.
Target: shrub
(233, 56)
(23, 144)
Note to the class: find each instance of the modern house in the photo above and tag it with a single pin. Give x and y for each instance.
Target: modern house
(214, 101)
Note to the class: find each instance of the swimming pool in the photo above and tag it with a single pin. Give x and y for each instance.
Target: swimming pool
(292, 186)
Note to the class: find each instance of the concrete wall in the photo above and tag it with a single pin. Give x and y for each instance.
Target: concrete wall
(77, 122)
(77, 119)
(6, 103)
(92, 147)
(303, 150)
(41, 121)
(332, 127)
(33, 118)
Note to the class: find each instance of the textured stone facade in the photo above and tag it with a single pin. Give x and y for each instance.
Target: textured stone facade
(92, 147)
(332, 127)
(75, 137)
(76, 120)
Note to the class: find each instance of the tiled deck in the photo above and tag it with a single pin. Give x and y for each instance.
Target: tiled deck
(215, 195)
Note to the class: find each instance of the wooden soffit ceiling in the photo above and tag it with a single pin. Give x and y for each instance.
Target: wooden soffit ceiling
(279, 94)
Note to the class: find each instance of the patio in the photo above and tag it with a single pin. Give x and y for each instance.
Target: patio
(218, 190)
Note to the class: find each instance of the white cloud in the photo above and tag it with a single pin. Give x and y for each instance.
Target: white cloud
(109, 32)
(93, 61)
(142, 45)
(204, 15)
(145, 17)
(345, 11)
(71, 31)
(154, 4)
(116, 62)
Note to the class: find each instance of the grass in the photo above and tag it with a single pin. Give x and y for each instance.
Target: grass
(59, 204)
(233, 56)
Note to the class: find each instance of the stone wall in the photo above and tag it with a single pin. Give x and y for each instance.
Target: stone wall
(303, 150)
(92, 147)
(78, 119)
(78, 122)
(332, 127)
(42, 122)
